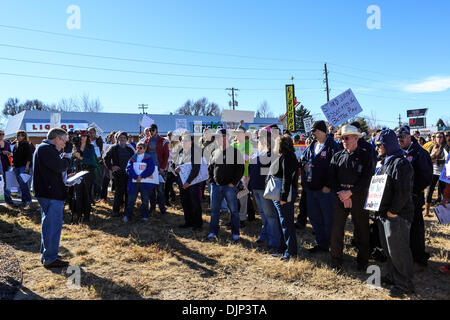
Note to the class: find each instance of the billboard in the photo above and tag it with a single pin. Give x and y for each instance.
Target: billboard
(417, 122)
(416, 113)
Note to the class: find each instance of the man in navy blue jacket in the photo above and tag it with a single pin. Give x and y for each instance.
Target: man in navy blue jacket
(315, 179)
(423, 172)
(50, 191)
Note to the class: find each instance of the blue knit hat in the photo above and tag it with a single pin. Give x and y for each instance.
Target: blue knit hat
(388, 138)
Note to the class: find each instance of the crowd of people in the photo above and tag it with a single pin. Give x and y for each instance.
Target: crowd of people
(246, 173)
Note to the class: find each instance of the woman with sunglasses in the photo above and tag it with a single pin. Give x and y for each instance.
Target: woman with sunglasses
(438, 153)
(22, 157)
(139, 167)
(5, 148)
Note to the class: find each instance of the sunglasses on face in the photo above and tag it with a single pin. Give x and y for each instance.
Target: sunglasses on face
(313, 130)
(345, 138)
(378, 146)
(140, 148)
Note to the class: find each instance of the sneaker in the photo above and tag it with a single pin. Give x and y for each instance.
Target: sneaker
(235, 238)
(56, 264)
(317, 249)
(211, 237)
(125, 219)
(285, 258)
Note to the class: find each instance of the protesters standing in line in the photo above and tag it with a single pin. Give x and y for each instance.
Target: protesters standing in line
(319, 198)
(138, 186)
(225, 170)
(286, 168)
(395, 214)
(51, 192)
(22, 158)
(158, 148)
(258, 171)
(438, 153)
(116, 160)
(190, 194)
(350, 173)
(365, 146)
(5, 153)
(110, 140)
(423, 172)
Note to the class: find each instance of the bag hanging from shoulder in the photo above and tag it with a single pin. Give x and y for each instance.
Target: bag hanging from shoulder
(273, 189)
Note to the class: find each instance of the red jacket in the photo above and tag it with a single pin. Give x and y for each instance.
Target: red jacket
(162, 150)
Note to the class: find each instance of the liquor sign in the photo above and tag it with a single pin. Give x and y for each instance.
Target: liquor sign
(290, 94)
(416, 113)
(33, 127)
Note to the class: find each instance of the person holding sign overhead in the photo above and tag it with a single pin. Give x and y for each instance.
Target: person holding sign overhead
(396, 213)
(190, 194)
(139, 167)
(350, 172)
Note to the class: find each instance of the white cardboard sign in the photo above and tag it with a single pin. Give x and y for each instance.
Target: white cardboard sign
(376, 190)
(341, 108)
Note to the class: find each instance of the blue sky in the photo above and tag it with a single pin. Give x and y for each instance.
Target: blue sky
(404, 65)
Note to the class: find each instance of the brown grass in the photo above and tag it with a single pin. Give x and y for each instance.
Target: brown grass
(157, 260)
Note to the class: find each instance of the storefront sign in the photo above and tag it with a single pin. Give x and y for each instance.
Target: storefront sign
(33, 127)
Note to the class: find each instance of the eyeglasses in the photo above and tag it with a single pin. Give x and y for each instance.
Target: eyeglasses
(345, 138)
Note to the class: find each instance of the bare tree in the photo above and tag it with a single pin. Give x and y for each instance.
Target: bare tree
(201, 107)
(88, 105)
(264, 111)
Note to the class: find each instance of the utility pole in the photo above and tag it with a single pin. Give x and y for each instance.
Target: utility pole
(326, 83)
(233, 103)
(143, 106)
(399, 121)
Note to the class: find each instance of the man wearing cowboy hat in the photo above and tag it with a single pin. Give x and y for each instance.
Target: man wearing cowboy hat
(350, 175)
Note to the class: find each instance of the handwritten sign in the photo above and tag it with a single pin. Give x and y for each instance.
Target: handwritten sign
(445, 175)
(308, 122)
(139, 167)
(186, 171)
(376, 190)
(341, 108)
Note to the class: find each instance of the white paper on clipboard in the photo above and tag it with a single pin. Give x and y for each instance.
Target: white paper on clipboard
(154, 177)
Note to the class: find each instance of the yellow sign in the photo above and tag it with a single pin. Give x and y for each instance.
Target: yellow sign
(290, 94)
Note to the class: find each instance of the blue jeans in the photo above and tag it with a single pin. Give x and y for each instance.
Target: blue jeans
(320, 214)
(270, 230)
(218, 193)
(7, 192)
(223, 205)
(132, 196)
(286, 216)
(158, 195)
(51, 226)
(24, 188)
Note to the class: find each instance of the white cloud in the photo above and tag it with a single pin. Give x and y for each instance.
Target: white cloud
(433, 84)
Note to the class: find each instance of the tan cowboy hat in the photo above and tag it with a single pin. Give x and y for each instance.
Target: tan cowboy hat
(348, 130)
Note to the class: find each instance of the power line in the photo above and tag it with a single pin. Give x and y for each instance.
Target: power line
(149, 73)
(149, 61)
(136, 84)
(153, 46)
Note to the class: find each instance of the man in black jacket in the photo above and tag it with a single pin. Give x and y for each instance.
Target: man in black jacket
(395, 213)
(423, 172)
(315, 163)
(350, 174)
(225, 170)
(116, 159)
(51, 191)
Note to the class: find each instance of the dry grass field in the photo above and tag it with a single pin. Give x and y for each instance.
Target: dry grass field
(158, 260)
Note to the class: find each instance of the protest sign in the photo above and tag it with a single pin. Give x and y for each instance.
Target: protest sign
(140, 167)
(376, 190)
(341, 108)
(445, 175)
(96, 127)
(11, 180)
(299, 150)
(307, 123)
(180, 124)
(55, 120)
(146, 121)
(443, 214)
(186, 170)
